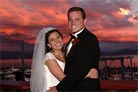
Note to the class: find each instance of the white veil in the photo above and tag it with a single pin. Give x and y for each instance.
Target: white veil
(38, 76)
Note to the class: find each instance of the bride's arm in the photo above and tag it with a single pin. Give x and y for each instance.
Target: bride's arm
(55, 69)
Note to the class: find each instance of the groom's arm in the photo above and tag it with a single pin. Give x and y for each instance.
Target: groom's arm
(93, 73)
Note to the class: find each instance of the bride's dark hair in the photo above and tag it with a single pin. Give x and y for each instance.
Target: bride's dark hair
(46, 39)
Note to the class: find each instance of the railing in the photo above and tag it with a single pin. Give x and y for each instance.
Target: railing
(124, 85)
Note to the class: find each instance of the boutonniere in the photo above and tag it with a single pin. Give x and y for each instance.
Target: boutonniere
(75, 40)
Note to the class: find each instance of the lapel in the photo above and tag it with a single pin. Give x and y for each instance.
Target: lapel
(82, 34)
(66, 47)
(70, 52)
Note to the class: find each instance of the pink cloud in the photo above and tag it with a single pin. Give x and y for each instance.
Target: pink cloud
(122, 35)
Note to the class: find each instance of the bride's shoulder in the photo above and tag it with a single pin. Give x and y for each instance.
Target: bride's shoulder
(49, 55)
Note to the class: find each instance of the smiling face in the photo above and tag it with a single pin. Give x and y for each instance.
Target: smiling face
(55, 41)
(76, 21)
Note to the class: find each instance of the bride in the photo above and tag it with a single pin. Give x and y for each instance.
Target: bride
(47, 69)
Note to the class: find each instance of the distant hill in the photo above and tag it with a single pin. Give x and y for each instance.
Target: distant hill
(121, 52)
(126, 52)
(28, 55)
(15, 55)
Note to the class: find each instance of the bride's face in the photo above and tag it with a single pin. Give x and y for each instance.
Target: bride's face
(55, 41)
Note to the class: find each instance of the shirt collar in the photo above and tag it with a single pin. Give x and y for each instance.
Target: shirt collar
(76, 34)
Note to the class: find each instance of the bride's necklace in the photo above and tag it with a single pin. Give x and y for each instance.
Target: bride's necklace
(59, 56)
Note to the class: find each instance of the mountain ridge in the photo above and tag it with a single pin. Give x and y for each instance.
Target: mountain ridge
(28, 55)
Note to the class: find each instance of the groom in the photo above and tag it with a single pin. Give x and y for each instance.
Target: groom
(82, 56)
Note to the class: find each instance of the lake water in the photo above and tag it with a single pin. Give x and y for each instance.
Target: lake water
(27, 62)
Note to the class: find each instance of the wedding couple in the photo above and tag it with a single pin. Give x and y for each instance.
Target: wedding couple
(76, 68)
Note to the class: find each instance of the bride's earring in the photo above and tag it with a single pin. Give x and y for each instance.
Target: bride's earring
(49, 46)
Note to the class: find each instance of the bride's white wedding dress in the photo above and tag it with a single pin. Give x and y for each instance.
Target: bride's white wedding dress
(42, 78)
(50, 79)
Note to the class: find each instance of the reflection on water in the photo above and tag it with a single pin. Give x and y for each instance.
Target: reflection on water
(27, 63)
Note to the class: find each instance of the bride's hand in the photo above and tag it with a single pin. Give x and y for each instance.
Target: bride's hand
(52, 89)
(93, 73)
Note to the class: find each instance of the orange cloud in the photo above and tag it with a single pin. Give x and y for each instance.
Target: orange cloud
(124, 11)
(121, 35)
(120, 13)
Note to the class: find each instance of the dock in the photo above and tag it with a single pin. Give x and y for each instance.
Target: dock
(106, 85)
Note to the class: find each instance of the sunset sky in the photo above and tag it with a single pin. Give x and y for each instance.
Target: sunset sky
(114, 22)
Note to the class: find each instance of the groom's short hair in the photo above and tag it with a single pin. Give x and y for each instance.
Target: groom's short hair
(72, 9)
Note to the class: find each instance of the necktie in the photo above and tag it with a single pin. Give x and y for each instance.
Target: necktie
(75, 40)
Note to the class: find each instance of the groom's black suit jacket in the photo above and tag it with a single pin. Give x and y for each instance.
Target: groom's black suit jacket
(82, 57)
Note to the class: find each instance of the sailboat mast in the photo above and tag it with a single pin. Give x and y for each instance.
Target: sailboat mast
(22, 57)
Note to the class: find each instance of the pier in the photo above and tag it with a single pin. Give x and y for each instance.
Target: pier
(121, 62)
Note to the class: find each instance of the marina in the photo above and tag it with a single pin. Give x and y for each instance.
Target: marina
(129, 72)
(113, 79)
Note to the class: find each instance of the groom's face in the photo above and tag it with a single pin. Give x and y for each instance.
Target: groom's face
(76, 21)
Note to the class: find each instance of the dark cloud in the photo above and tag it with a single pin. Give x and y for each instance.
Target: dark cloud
(110, 22)
(9, 43)
(103, 12)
